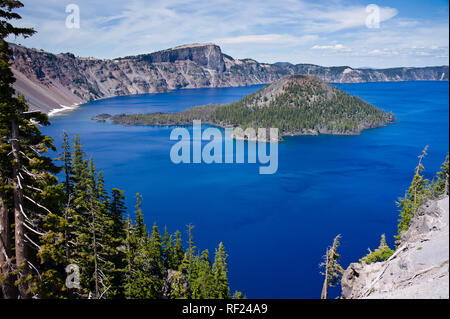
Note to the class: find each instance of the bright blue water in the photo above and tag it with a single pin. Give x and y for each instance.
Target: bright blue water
(275, 227)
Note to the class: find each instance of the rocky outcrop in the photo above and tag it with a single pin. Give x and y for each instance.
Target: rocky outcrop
(418, 268)
(49, 81)
(208, 56)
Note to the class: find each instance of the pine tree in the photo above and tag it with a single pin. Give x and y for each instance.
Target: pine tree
(220, 273)
(417, 189)
(178, 252)
(117, 210)
(93, 207)
(141, 231)
(81, 252)
(382, 253)
(109, 258)
(191, 246)
(333, 271)
(205, 280)
(441, 185)
(192, 269)
(156, 269)
(193, 278)
(143, 266)
(130, 248)
(167, 254)
(27, 184)
(117, 243)
(66, 158)
(413, 197)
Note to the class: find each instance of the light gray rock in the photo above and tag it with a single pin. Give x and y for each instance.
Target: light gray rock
(419, 267)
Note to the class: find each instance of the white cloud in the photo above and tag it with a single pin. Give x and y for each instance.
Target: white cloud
(335, 47)
(338, 18)
(269, 31)
(384, 52)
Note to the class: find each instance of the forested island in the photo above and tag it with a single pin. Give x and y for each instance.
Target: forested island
(296, 105)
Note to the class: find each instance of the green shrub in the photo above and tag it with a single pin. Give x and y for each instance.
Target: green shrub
(382, 253)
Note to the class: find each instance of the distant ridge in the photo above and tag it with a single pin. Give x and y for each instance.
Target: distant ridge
(283, 64)
(50, 81)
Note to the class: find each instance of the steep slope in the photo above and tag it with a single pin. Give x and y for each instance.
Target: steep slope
(50, 80)
(295, 104)
(418, 269)
(303, 105)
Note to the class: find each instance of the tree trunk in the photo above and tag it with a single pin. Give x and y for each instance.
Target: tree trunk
(325, 282)
(66, 217)
(9, 291)
(20, 247)
(95, 255)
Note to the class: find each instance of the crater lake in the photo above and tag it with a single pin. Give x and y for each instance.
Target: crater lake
(277, 227)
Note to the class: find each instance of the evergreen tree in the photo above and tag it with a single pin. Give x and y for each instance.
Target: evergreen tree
(441, 185)
(205, 280)
(222, 290)
(27, 183)
(156, 270)
(66, 158)
(139, 284)
(167, 254)
(130, 248)
(117, 210)
(117, 243)
(81, 252)
(140, 229)
(333, 271)
(178, 252)
(413, 197)
(382, 253)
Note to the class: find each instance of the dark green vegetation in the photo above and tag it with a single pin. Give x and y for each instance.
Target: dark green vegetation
(296, 105)
(421, 189)
(382, 253)
(48, 230)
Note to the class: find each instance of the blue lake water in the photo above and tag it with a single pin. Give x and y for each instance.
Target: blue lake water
(275, 227)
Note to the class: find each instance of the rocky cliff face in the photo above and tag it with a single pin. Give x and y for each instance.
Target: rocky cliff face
(208, 56)
(419, 267)
(50, 80)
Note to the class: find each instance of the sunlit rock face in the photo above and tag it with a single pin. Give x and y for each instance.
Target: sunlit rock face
(52, 81)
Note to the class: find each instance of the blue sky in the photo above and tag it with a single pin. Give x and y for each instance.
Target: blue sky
(410, 33)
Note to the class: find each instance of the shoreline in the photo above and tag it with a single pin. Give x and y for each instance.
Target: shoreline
(64, 108)
(311, 132)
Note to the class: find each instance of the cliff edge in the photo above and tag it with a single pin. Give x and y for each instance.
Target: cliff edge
(52, 82)
(419, 267)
